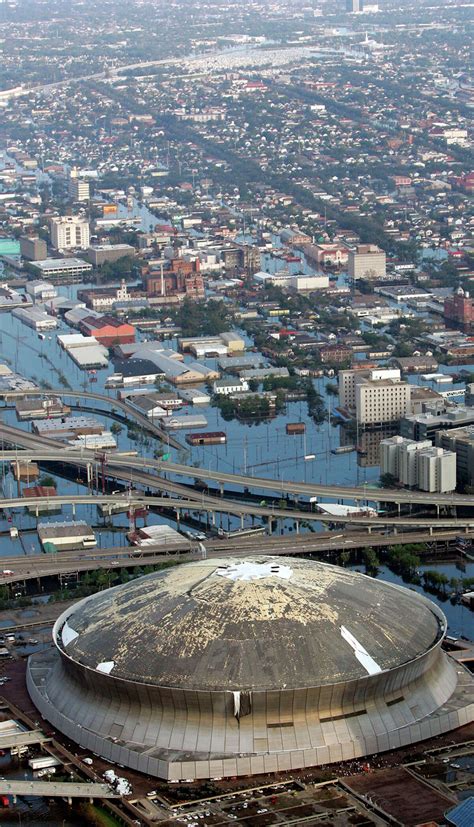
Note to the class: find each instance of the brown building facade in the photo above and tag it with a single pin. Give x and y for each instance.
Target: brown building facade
(459, 310)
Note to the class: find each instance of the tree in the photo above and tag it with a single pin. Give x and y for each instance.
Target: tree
(388, 480)
(435, 580)
(47, 481)
(371, 561)
(201, 318)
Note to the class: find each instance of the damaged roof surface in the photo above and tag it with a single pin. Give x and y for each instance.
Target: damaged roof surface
(250, 623)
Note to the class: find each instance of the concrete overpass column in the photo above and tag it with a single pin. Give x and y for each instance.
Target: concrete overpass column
(431, 530)
(74, 509)
(221, 489)
(241, 522)
(297, 526)
(270, 525)
(213, 517)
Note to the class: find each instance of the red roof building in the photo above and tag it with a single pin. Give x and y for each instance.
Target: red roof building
(108, 330)
(40, 491)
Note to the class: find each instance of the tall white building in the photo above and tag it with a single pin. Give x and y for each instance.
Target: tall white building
(367, 261)
(437, 470)
(374, 396)
(418, 464)
(69, 232)
(349, 378)
(381, 400)
(390, 455)
(79, 189)
(408, 462)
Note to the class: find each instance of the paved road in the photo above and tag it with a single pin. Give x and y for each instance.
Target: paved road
(52, 789)
(23, 739)
(67, 562)
(358, 493)
(111, 402)
(225, 506)
(122, 466)
(186, 62)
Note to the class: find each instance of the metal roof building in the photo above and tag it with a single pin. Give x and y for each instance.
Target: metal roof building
(249, 665)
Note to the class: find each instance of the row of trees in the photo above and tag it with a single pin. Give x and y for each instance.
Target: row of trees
(405, 561)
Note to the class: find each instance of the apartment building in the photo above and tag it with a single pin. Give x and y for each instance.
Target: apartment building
(418, 464)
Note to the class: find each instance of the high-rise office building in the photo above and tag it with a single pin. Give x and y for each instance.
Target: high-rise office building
(69, 232)
(367, 261)
(381, 400)
(461, 441)
(354, 6)
(349, 379)
(79, 189)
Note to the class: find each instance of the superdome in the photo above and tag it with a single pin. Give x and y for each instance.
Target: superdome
(247, 665)
(259, 623)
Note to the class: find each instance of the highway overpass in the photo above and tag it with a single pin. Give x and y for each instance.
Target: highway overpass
(111, 402)
(37, 566)
(201, 502)
(56, 789)
(41, 448)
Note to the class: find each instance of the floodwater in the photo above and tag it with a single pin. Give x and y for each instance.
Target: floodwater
(31, 809)
(257, 448)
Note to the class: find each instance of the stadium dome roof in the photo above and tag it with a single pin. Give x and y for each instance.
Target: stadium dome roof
(250, 623)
